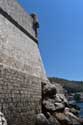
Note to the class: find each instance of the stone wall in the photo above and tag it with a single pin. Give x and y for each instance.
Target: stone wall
(20, 96)
(21, 67)
(18, 50)
(14, 10)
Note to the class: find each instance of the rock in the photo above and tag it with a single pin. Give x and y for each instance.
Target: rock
(75, 120)
(53, 120)
(49, 105)
(59, 106)
(64, 120)
(52, 106)
(49, 90)
(2, 119)
(41, 120)
(74, 111)
(61, 98)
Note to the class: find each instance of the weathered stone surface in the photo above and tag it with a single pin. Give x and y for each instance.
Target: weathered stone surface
(20, 96)
(51, 100)
(41, 120)
(22, 73)
(49, 90)
(53, 120)
(49, 104)
(19, 51)
(18, 14)
(61, 98)
(21, 68)
(52, 106)
(59, 105)
(63, 119)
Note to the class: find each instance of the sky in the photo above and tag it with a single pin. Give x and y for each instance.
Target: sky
(60, 36)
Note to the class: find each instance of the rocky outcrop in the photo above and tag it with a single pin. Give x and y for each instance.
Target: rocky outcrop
(41, 119)
(55, 108)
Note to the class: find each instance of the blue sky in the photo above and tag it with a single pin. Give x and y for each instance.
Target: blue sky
(60, 36)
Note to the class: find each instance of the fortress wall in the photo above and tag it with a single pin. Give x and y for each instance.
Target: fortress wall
(19, 51)
(21, 67)
(20, 96)
(14, 10)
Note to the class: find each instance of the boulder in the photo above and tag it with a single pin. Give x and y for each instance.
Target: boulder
(52, 106)
(53, 120)
(59, 106)
(41, 120)
(61, 98)
(62, 118)
(48, 104)
(49, 90)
